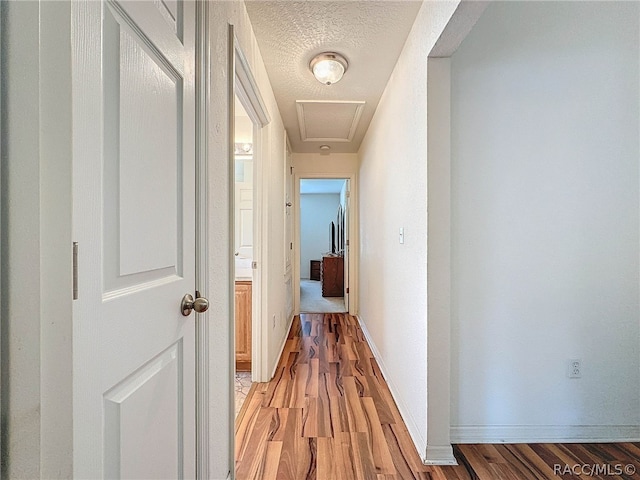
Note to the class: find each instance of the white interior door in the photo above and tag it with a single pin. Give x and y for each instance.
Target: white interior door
(288, 225)
(288, 230)
(244, 219)
(134, 203)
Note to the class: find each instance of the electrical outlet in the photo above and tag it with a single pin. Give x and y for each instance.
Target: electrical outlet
(575, 368)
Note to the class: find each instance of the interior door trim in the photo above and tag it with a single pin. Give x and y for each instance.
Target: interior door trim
(202, 93)
(353, 233)
(243, 84)
(247, 89)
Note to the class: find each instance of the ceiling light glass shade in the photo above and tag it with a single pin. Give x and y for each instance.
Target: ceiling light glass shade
(328, 67)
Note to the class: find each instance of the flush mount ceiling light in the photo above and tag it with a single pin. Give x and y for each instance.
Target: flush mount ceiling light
(328, 67)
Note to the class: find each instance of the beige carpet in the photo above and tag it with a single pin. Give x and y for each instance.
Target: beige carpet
(312, 301)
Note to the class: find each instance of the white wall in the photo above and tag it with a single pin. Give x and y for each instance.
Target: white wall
(317, 211)
(337, 164)
(393, 194)
(545, 223)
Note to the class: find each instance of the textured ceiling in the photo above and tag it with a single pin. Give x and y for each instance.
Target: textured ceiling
(370, 34)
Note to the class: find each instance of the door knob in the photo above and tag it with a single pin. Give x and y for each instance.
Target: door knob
(188, 304)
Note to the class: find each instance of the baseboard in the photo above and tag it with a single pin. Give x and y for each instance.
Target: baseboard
(545, 434)
(440, 455)
(418, 441)
(284, 342)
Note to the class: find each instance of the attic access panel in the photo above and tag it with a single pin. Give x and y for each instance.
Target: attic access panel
(328, 120)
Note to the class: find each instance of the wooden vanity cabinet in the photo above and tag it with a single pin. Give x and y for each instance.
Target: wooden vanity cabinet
(243, 326)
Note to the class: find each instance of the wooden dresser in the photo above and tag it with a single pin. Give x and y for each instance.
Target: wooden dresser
(243, 326)
(332, 276)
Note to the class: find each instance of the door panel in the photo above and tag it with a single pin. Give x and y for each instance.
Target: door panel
(134, 204)
(171, 10)
(244, 219)
(134, 452)
(142, 132)
(150, 131)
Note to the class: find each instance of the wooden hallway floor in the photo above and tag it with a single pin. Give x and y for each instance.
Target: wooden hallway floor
(328, 414)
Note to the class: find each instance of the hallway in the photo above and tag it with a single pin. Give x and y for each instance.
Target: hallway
(327, 413)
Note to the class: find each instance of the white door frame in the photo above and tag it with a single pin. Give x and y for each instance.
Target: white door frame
(36, 226)
(347, 244)
(246, 88)
(202, 235)
(353, 235)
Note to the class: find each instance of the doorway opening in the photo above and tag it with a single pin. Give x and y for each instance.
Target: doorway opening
(246, 214)
(324, 245)
(243, 248)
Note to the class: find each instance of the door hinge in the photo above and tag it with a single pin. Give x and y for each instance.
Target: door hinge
(75, 270)
(347, 243)
(347, 289)
(291, 170)
(254, 265)
(291, 246)
(348, 194)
